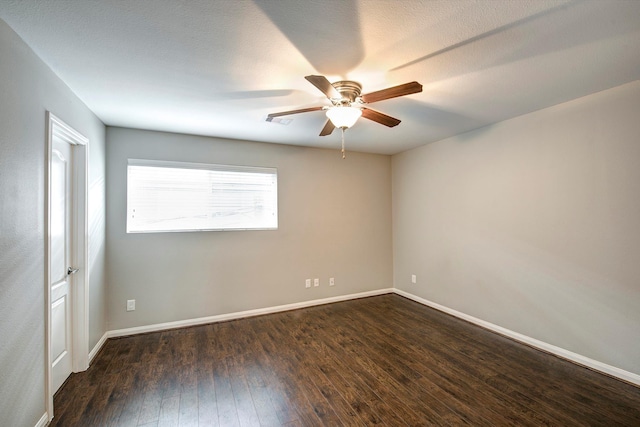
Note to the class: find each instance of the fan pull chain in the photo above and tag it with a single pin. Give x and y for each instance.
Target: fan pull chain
(343, 154)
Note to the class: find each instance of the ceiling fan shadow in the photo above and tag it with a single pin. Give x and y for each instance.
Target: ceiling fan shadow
(252, 99)
(562, 28)
(480, 37)
(253, 94)
(327, 33)
(443, 123)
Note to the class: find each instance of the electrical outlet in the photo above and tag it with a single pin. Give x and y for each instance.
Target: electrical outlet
(316, 282)
(414, 279)
(332, 281)
(307, 283)
(131, 305)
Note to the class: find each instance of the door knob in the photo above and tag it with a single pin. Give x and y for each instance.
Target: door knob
(71, 271)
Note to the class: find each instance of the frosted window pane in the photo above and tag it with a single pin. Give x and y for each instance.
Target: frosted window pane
(171, 196)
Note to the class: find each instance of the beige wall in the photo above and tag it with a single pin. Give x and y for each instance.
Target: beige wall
(532, 224)
(334, 221)
(27, 89)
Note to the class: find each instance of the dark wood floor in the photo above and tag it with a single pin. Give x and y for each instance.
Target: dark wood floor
(383, 360)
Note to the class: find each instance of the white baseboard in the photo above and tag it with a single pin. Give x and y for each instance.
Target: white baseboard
(98, 346)
(43, 421)
(240, 314)
(541, 345)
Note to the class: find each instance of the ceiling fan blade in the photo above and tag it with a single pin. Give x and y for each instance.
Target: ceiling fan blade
(327, 129)
(324, 85)
(286, 113)
(378, 117)
(392, 92)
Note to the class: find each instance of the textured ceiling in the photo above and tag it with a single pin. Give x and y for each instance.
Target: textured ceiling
(219, 67)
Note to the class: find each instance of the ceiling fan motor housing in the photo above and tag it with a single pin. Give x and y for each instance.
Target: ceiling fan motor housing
(349, 90)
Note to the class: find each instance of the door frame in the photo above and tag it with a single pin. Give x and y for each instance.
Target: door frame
(79, 289)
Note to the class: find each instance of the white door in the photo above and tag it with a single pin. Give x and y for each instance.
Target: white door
(61, 261)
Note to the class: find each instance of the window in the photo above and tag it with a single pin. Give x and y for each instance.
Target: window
(176, 196)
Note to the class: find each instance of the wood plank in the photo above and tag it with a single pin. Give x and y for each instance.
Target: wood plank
(382, 360)
(513, 356)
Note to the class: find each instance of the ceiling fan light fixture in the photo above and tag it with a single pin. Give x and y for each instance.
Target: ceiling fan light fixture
(344, 117)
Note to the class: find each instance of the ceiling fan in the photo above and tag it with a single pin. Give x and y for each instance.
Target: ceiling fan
(348, 104)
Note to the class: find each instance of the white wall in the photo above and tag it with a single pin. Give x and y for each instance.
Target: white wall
(334, 221)
(27, 89)
(532, 224)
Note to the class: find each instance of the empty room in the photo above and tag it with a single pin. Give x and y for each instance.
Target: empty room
(319, 213)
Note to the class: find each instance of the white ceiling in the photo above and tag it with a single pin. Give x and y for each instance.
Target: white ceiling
(219, 67)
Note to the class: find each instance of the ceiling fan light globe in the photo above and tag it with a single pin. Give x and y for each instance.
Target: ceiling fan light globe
(344, 117)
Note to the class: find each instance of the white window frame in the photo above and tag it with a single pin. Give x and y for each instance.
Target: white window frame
(200, 166)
